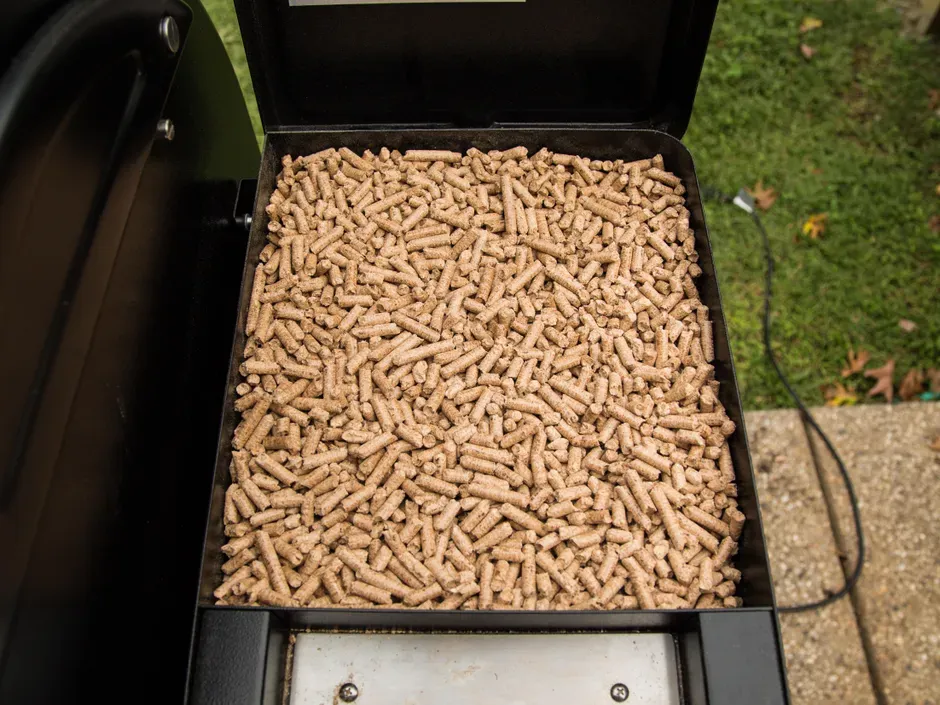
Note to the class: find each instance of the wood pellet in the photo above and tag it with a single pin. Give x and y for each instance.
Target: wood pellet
(479, 381)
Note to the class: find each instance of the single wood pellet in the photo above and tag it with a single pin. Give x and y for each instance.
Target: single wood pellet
(479, 381)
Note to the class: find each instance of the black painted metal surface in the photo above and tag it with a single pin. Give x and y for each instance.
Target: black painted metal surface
(118, 284)
(629, 62)
(71, 112)
(239, 659)
(19, 21)
(742, 658)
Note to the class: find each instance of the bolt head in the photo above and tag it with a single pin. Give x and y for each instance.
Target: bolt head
(166, 129)
(619, 692)
(170, 34)
(348, 692)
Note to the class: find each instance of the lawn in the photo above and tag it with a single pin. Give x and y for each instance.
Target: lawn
(852, 132)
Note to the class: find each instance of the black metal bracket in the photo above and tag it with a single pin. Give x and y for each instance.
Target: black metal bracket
(239, 659)
(725, 657)
(80, 41)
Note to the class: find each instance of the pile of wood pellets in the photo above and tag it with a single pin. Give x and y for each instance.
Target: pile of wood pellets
(479, 381)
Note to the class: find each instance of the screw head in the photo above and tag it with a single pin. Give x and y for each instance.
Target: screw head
(166, 129)
(170, 34)
(348, 692)
(619, 692)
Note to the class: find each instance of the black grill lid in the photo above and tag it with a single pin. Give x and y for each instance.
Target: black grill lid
(473, 64)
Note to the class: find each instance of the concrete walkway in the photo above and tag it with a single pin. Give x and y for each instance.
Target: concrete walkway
(880, 646)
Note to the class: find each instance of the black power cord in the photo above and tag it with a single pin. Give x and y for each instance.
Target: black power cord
(744, 201)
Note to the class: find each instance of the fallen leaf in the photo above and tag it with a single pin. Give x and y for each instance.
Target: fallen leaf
(935, 444)
(933, 374)
(885, 383)
(934, 223)
(807, 51)
(809, 24)
(857, 362)
(763, 197)
(911, 385)
(907, 326)
(933, 96)
(815, 225)
(836, 394)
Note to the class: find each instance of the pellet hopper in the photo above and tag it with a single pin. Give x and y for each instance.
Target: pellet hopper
(275, 426)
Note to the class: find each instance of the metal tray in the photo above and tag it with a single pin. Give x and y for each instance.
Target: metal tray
(755, 587)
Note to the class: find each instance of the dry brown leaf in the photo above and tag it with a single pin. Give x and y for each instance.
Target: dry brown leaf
(836, 394)
(807, 51)
(815, 225)
(764, 197)
(934, 223)
(885, 380)
(809, 24)
(935, 444)
(907, 326)
(933, 98)
(933, 374)
(911, 385)
(857, 362)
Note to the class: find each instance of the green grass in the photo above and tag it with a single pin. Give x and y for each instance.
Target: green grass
(222, 13)
(849, 133)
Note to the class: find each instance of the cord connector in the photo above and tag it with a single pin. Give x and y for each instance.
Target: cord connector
(744, 201)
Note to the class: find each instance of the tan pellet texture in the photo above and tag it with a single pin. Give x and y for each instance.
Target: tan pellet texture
(479, 381)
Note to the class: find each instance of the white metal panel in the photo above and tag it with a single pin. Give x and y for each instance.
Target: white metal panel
(497, 669)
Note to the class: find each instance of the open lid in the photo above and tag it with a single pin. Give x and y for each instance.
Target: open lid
(473, 63)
